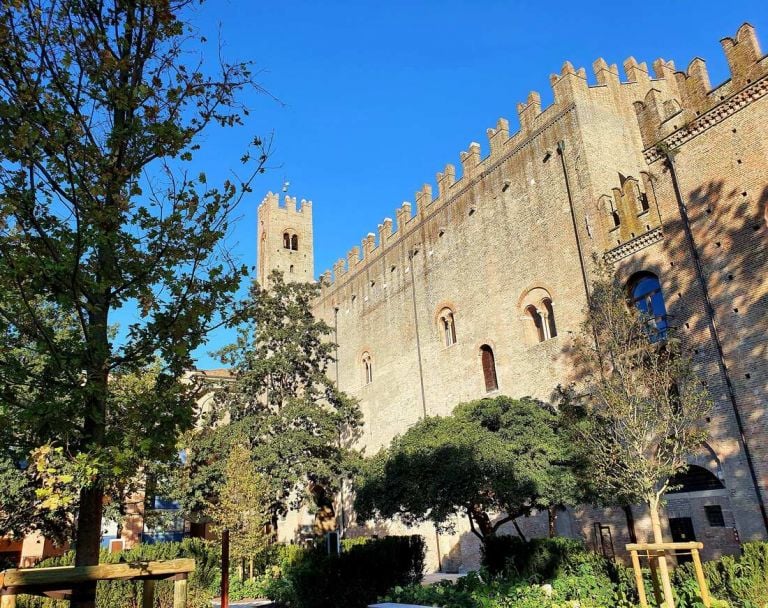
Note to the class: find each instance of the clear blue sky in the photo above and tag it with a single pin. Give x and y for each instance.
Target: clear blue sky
(378, 96)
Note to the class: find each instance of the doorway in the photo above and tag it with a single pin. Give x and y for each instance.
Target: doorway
(682, 532)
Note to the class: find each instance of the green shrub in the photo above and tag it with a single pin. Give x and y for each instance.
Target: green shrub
(539, 558)
(353, 579)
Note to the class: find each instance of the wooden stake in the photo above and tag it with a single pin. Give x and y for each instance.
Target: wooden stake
(224, 569)
(148, 594)
(180, 593)
(655, 578)
(8, 601)
(703, 588)
(639, 580)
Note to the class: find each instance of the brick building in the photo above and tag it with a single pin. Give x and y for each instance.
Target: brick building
(478, 289)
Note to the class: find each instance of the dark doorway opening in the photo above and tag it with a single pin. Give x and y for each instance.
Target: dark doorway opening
(682, 532)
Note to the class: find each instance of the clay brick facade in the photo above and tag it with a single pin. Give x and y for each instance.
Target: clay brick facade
(503, 252)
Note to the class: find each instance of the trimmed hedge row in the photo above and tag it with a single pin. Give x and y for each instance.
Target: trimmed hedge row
(355, 578)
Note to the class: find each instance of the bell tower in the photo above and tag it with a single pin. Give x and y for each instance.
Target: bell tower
(285, 239)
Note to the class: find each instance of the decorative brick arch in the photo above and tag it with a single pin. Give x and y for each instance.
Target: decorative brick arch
(537, 313)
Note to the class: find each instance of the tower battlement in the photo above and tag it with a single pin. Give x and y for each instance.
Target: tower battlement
(656, 99)
(697, 104)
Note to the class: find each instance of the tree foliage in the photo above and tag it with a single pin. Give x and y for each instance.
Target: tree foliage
(243, 505)
(638, 415)
(497, 456)
(297, 424)
(101, 104)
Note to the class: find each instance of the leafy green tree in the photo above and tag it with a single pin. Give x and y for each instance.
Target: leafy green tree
(243, 505)
(497, 456)
(298, 425)
(101, 104)
(638, 414)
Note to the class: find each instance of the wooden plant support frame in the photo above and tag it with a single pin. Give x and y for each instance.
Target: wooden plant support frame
(59, 583)
(655, 550)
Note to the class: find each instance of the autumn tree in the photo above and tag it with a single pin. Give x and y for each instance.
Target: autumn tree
(492, 461)
(297, 424)
(101, 105)
(638, 414)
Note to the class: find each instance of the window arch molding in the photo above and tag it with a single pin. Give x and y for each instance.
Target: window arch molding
(367, 368)
(290, 239)
(488, 367)
(538, 314)
(445, 324)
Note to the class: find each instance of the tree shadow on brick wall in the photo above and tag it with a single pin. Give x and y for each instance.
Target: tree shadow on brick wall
(730, 233)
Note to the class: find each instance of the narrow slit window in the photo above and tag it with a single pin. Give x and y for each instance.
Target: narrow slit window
(489, 368)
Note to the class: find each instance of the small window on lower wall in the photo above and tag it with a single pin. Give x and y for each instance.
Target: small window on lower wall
(715, 516)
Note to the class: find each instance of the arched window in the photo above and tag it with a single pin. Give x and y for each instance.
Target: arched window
(291, 269)
(616, 219)
(538, 322)
(448, 326)
(367, 368)
(550, 318)
(295, 242)
(645, 291)
(644, 205)
(538, 315)
(489, 368)
(694, 479)
(286, 240)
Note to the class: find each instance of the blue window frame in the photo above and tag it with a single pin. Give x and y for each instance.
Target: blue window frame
(648, 298)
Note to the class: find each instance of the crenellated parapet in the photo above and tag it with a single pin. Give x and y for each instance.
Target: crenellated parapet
(664, 99)
(695, 104)
(271, 201)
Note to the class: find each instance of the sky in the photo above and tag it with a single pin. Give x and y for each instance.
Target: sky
(368, 100)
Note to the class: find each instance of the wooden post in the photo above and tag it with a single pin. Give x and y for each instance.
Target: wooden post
(148, 594)
(655, 578)
(8, 601)
(639, 579)
(180, 592)
(224, 569)
(703, 589)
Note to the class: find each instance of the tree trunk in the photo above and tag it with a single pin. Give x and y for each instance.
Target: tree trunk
(552, 517)
(88, 542)
(90, 509)
(666, 585)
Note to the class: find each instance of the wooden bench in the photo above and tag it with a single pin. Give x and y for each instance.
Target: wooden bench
(59, 583)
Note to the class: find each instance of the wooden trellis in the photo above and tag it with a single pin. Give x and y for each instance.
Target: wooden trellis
(59, 583)
(655, 550)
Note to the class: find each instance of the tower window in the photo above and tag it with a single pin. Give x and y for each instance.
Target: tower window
(538, 315)
(295, 242)
(286, 240)
(367, 368)
(549, 326)
(489, 368)
(291, 269)
(644, 206)
(538, 322)
(448, 326)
